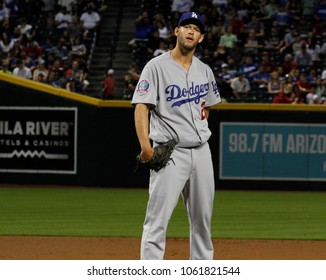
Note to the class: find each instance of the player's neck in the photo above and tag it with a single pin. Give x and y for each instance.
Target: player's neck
(182, 58)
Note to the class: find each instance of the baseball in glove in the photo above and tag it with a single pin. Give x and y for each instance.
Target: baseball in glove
(162, 155)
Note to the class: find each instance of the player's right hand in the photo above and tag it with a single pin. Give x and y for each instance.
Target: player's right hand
(147, 154)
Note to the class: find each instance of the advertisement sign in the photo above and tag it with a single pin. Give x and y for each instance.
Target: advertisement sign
(38, 140)
(272, 151)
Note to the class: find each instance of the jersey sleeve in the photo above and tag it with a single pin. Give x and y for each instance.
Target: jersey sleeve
(213, 96)
(146, 89)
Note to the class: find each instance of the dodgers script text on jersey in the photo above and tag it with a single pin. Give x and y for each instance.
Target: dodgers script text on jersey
(182, 95)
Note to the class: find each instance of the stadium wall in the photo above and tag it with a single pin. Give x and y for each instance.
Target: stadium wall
(52, 136)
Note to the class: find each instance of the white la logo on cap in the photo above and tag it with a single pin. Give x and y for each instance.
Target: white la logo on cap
(194, 15)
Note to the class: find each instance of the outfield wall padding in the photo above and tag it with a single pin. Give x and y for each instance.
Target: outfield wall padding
(51, 136)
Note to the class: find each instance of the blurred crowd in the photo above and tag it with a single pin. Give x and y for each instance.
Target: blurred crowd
(260, 50)
(49, 40)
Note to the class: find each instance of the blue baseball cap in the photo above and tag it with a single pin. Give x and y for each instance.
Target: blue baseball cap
(193, 18)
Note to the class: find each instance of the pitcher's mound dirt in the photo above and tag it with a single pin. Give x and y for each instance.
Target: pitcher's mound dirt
(108, 248)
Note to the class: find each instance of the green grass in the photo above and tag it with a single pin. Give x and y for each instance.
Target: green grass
(120, 212)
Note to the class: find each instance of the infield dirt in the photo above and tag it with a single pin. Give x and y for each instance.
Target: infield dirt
(108, 248)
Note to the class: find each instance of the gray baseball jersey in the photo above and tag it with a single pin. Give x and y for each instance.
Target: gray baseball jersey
(179, 97)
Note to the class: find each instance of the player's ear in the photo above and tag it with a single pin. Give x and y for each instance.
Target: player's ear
(201, 38)
(176, 30)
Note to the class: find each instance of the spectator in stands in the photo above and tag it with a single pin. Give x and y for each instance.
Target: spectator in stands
(131, 79)
(218, 26)
(320, 11)
(228, 39)
(69, 4)
(306, 27)
(40, 69)
(265, 60)
(312, 76)
(274, 84)
(284, 18)
(55, 66)
(290, 38)
(296, 74)
(232, 64)
(48, 6)
(65, 37)
(173, 20)
(252, 45)
(100, 5)
(293, 7)
(28, 61)
(62, 19)
(240, 85)
(48, 46)
(226, 74)
(260, 79)
(49, 28)
(289, 65)
(249, 67)
(26, 29)
(164, 32)
(303, 57)
(321, 88)
(323, 76)
(312, 97)
(90, 20)
(33, 49)
(78, 72)
(308, 8)
(61, 50)
(5, 67)
(303, 83)
(6, 44)
(287, 84)
(242, 8)
(75, 28)
(16, 9)
(14, 34)
(280, 72)
(274, 42)
(320, 29)
(158, 18)
(63, 80)
(297, 96)
(5, 27)
(257, 26)
(78, 50)
(220, 55)
(209, 42)
(153, 43)
(21, 70)
(40, 78)
(53, 79)
(296, 46)
(4, 12)
(71, 84)
(144, 28)
(281, 97)
(161, 49)
(108, 85)
(268, 9)
(206, 56)
(220, 5)
(237, 23)
(223, 87)
(313, 48)
(182, 6)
